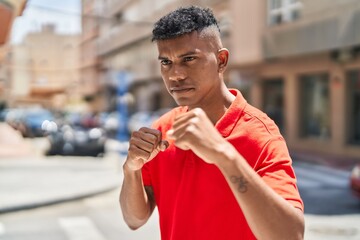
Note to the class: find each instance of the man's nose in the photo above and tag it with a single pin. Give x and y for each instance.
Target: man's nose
(177, 73)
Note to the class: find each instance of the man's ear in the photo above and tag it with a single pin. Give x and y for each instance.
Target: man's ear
(223, 57)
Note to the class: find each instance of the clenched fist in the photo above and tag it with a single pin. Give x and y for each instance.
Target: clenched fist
(194, 130)
(145, 144)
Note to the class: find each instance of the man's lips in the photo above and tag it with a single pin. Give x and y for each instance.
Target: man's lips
(180, 89)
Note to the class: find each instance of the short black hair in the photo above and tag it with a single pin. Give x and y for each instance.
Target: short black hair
(182, 21)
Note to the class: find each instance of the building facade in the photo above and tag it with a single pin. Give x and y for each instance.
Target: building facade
(92, 90)
(9, 10)
(296, 60)
(44, 70)
(302, 69)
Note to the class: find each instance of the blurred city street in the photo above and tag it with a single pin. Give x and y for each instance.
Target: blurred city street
(73, 198)
(78, 76)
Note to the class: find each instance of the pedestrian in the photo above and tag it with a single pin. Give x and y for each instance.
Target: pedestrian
(215, 167)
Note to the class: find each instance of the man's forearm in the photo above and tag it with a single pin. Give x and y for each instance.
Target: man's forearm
(268, 214)
(134, 202)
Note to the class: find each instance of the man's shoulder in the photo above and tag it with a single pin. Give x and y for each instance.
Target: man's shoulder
(258, 122)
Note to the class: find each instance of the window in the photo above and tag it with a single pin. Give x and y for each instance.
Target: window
(273, 104)
(275, 4)
(315, 106)
(283, 11)
(118, 18)
(353, 80)
(241, 82)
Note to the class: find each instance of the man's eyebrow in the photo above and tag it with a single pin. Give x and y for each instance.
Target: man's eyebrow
(180, 56)
(187, 54)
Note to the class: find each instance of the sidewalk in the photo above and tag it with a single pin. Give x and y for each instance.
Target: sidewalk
(11, 140)
(338, 227)
(28, 179)
(38, 181)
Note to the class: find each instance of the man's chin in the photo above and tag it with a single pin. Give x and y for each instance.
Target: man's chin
(184, 103)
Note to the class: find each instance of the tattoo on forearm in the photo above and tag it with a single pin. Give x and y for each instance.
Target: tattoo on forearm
(241, 183)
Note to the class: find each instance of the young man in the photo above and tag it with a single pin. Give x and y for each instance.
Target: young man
(216, 167)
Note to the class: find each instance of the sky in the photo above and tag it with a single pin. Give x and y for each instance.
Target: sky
(66, 18)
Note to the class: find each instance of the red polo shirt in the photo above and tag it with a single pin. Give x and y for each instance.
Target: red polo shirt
(193, 198)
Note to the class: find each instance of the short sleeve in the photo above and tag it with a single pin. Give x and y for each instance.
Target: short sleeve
(275, 167)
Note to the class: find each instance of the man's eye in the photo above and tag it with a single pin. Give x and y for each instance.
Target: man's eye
(165, 62)
(188, 59)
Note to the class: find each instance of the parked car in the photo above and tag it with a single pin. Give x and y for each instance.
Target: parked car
(28, 121)
(140, 119)
(3, 114)
(14, 117)
(355, 180)
(33, 120)
(76, 141)
(110, 122)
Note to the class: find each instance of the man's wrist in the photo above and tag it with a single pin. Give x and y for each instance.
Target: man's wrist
(130, 171)
(227, 155)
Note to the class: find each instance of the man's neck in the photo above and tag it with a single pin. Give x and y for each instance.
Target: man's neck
(217, 107)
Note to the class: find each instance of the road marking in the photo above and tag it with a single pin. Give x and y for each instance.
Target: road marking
(321, 175)
(339, 227)
(2, 229)
(80, 228)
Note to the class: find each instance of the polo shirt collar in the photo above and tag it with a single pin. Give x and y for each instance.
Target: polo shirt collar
(227, 122)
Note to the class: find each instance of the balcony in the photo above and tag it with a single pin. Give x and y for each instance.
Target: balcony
(122, 36)
(88, 7)
(46, 90)
(90, 34)
(90, 62)
(114, 7)
(6, 13)
(325, 31)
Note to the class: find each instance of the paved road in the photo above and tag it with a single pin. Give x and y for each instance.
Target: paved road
(331, 211)
(35, 182)
(325, 191)
(93, 218)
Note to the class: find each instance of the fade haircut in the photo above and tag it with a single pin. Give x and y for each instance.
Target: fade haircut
(184, 20)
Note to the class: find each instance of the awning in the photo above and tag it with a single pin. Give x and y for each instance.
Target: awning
(6, 13)
(9, 9)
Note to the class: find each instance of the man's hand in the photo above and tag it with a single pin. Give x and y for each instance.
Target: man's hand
(145, 144)
(194, 130)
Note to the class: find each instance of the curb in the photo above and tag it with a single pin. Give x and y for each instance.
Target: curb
(28, 206)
